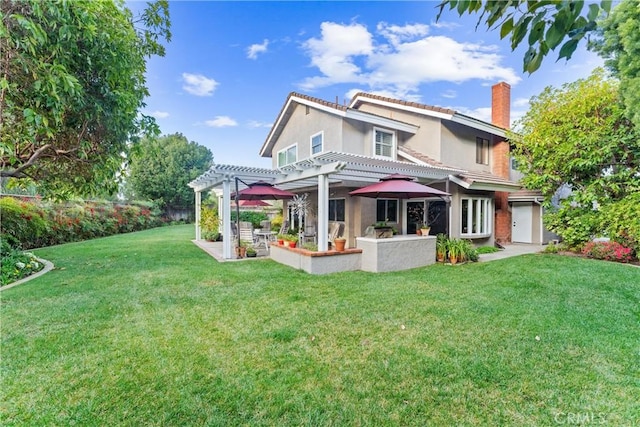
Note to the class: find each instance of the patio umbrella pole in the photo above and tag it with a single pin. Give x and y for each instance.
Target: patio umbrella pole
(238, 210)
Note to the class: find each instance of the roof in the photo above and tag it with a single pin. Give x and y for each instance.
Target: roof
(526, 196)
(478, 180)
(336, 109)
(428, 110)
(351, 169)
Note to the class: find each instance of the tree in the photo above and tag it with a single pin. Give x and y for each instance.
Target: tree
(619, 44)
(545, 24)
(161, 168)
(579, 136)
(71, 86)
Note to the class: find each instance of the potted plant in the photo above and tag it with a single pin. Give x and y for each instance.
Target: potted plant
(293, 241)
(425, 229)
(442, 243)
(339, 243)
(241, 250)
(280, 239)
(454, 251)
(383, 230)
(251, 252)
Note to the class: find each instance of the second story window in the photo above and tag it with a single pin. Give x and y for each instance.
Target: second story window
(288, 155)
(482, 151)
(316, 143)
(383, 143)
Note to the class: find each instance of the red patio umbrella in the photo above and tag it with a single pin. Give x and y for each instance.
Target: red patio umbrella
(397, 186)
(252, 204)
(262, 190)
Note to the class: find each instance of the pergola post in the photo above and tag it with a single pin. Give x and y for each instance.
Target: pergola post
(323, 212)
(198, 214)
(226, 219)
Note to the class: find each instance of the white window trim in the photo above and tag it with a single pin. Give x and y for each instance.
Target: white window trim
(393, 143)
(488, 218)
(284, 150)
(387, 206)
(321, 133)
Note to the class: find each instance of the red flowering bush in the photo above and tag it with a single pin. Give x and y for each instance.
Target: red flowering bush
(33, 223)
(610, 251)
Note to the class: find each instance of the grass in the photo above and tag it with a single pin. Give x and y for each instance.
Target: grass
(146, 329)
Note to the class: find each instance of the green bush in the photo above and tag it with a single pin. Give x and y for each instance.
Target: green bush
(30, 224)
(251, 216)
(621, 222)
(16, 264)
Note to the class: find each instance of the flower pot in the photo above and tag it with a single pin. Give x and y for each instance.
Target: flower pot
(425, 231)
(241, 252)
(292, 244)
(440, 257)
(287, 244)
(281, 242)
(453, 260)
(252, 254)
(340, 243)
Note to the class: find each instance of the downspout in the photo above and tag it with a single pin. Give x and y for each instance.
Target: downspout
(447, 208)
(539, 203)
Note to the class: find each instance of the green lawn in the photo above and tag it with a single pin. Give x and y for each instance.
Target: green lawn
(146, 329)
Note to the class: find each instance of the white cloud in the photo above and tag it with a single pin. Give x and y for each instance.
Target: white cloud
(397, 34)
(255, 49)
(221, 122)
(405, 58)
(256, 124)
(520, 102)
(333, 53)
(449, 94)
(199, 85)
(159, 114)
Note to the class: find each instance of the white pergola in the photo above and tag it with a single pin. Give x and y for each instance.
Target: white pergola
(319, 171)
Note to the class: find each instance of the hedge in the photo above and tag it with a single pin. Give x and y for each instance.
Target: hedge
(34, 223)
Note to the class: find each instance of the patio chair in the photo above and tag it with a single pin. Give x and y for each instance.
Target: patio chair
(247, 235)
(285, 227)
(265, 225)
(310, 234)
(334, 231)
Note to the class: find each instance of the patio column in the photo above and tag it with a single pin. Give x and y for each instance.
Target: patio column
(226, 219)
(323, 212)
(198, 208)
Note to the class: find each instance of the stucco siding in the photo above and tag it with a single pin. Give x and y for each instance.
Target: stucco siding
(459, 147)
(301, 126)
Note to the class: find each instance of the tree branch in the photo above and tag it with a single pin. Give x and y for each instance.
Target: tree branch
(19, 171)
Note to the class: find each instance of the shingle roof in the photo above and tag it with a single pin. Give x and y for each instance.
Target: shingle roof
(355, 104)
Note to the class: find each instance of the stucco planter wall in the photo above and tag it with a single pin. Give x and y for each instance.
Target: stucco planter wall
(317, 262)
(396, 253)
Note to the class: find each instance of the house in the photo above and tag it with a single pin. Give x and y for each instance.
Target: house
(326, 150)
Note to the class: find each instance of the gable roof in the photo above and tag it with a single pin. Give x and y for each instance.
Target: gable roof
(426, 110)
(336, 109)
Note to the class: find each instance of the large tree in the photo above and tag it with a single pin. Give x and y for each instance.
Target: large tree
(72, 83)
(620, 46)
(545, 25)
(579, 136)
(161, 168)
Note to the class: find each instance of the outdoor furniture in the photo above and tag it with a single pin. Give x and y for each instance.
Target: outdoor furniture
(310, 234)
(334, 231)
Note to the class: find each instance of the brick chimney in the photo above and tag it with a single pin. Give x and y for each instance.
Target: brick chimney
(501, 116)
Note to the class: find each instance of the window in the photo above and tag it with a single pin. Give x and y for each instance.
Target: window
(482, 151)
(383, 143)
(514, 164)
(336, 209)
(475, 217)
(316, 143)
(387, 210)
(288, 155)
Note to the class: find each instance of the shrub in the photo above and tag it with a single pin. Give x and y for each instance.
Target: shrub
(34, 223)
(551, 248)
(487, 249)
(16, 264)
(209, 222)
(610, 251)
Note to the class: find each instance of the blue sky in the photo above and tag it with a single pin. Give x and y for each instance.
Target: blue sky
(230, 65)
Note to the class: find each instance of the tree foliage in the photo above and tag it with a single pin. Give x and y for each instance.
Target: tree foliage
(620, 46)
(579, 135)
(545, 25)
(71, 86)
(161, 168)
